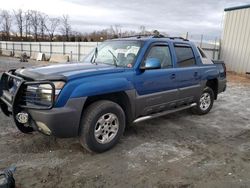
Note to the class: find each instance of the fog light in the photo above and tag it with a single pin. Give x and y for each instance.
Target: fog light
(43, 128)
(22, 117)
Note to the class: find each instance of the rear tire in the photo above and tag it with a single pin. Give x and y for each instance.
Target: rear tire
(102, 125)
(205, 102)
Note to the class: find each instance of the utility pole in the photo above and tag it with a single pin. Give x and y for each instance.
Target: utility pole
(201, 41)
(215, 42)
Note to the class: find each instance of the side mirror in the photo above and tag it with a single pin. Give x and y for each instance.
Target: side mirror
(152, 63)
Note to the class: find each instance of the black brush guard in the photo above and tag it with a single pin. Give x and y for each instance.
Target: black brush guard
(12, 102)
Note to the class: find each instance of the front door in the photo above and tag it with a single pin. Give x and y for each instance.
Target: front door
(156, 89)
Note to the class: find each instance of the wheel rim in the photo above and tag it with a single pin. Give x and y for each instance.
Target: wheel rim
(205, 101)
(106, 128)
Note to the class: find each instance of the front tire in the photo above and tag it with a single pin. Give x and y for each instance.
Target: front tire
(102, 125)
(205, 102)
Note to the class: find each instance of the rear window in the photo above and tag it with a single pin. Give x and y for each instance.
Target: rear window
(205, 59)
(203, 55)
(185, 56)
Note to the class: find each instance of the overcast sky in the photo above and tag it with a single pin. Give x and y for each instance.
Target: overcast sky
(175, 17)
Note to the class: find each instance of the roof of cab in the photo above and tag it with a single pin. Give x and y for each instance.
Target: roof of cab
(152, 38)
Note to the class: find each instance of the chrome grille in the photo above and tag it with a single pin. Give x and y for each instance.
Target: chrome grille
(34, 95)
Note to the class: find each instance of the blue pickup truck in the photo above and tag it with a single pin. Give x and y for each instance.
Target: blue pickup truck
(121, 82)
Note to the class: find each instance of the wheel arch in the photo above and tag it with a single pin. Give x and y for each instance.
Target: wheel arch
(122, 98)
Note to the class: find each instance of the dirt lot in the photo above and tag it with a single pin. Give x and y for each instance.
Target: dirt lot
(177, 150)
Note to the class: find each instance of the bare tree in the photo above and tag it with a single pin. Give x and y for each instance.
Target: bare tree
(27, 23)
(142, 29)
(118, 30)
(65, 28)
(5, 24)
(43, 20)
(115, 31)
(51, 26)
(35, 22)
(19, 17)
(111, 31)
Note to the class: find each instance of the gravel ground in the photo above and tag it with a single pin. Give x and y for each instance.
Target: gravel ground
(7, 63)
(177, 150)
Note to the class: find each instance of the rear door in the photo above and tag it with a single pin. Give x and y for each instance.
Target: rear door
(188, 78)
(156, 89)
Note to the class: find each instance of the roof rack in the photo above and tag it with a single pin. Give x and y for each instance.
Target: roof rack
(181, 38)
(172, 38)
(156, 36)
(136, 36)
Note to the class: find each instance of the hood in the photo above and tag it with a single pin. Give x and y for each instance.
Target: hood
(66, 71)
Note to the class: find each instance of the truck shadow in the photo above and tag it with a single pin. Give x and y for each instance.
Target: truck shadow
(180, 127)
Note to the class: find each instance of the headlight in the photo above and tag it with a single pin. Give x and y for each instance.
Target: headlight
(46, 89)
(41, 94)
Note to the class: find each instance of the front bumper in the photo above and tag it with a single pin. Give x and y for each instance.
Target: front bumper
(62, 122)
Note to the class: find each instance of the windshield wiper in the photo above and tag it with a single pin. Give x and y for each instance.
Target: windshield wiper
(115, 60)
(93, 59)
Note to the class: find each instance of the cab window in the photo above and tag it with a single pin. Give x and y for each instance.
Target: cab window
(162, 53)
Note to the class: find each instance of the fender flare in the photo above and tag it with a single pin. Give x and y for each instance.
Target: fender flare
(101, 87)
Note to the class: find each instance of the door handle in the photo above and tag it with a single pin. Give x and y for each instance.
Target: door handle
(172, 76)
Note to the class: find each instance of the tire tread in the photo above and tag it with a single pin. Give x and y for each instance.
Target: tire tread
(197, 110)
(88, 115)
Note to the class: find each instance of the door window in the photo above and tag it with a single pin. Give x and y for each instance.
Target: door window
(185, 56)
(162, 53)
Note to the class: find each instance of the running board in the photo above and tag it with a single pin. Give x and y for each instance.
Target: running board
(163, 113)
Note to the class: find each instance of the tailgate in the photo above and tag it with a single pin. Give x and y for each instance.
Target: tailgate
(222, 81)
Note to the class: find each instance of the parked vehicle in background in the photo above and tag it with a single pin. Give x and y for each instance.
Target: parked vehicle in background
(123, 81)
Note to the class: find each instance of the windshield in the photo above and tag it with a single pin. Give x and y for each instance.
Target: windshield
(117, 53)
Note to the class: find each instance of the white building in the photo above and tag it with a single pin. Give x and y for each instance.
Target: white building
(235, 49)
